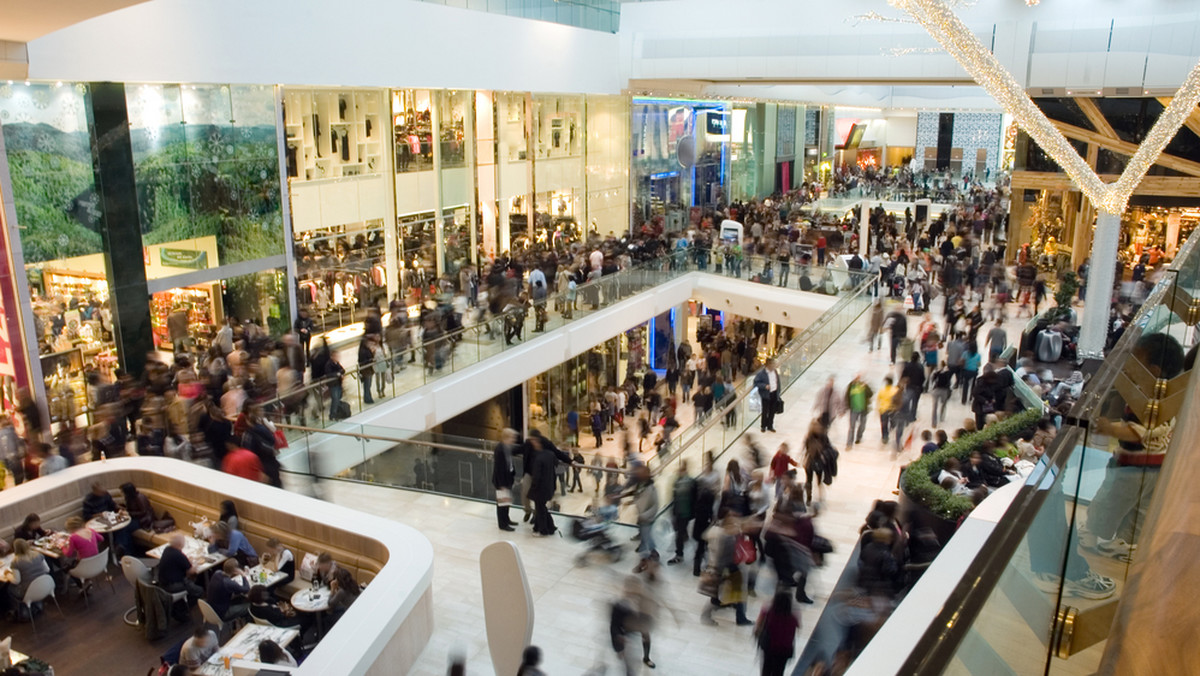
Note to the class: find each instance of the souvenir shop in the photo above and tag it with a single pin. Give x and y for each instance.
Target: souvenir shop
(74, 328)
(199, 302)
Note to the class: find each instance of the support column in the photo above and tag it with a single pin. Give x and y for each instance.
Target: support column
(864, 229)
(439, 227)
(285, 204)
(1099, 286)
(391, 237)
(129, 297)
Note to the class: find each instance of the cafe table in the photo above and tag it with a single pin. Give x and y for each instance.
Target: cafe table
(244, 646)
(107, 523)
(259, 575)
(315, 601)
(196, 551)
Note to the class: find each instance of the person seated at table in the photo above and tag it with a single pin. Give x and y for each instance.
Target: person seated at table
(270, 652)
(345, 591)
(326, 569)
(196, 650)
(27, 565)
(31, 528)
(264, 606)
(224, 585)
(97, 501)
(175, 571)
(83, 543)
(229, 514)
(232, 543)
(279, 559)
(138, 506)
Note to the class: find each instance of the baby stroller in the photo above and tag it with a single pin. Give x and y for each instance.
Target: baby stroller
(593, 529)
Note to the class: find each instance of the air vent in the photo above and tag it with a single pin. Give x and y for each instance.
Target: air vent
(1122, 91)
(1047, 92)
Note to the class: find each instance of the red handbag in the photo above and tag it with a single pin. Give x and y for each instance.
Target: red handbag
(743, 551)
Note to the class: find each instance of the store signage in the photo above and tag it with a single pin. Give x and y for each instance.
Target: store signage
(718, 123)
(13, 358)
(183, 258)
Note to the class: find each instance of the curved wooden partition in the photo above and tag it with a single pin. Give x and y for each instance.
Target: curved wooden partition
(383, 632)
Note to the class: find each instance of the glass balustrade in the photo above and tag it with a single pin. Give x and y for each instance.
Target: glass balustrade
(1042, 598)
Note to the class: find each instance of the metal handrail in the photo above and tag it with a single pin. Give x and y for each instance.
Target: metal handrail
(420, 442)
(748, 385)
(498, 319)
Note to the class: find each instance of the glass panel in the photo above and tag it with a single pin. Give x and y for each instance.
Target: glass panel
(208, 181)
(335, 146)
(48, 143)
(412, 126)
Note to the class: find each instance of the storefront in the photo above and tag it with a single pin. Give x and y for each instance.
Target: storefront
(680, 157)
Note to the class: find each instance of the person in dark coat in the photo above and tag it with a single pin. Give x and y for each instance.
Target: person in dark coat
(503, 476)
(540, 463)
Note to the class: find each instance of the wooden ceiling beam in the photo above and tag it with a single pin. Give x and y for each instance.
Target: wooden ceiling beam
(1092, 111)
(1116, 145)
(1158, 186)
(1193, 121)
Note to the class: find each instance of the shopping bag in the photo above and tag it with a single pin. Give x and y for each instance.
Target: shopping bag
(754, 401)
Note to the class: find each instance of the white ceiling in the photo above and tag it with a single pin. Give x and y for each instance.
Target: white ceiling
(25, 20)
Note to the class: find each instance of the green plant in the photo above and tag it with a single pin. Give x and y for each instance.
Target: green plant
(920, 488)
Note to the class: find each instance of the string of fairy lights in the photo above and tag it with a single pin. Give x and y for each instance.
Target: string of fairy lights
(944, 26)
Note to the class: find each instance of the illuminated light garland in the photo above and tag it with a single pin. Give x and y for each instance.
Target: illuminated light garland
(979, 62)
(874, 16)
(909, 51)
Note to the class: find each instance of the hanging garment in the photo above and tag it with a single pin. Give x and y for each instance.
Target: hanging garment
(368, 127)
(333, 140)
(338, 296)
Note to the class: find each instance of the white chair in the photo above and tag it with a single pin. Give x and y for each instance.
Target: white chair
(38, 590)
(211, 617)
(88, 569)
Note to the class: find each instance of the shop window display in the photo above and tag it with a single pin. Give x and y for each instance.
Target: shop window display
(454, 110)
(186, 318)
(680, 153)
(333, 133)
(412, 126)
(559, 131)
(341, 273)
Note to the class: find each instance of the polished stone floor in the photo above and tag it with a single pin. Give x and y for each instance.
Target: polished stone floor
(571, 616)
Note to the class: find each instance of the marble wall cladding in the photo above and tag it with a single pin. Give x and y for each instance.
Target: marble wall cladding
(972, 131)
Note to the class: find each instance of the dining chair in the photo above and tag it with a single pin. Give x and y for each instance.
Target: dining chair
(89, 569)
(211, 617)
(38, 590)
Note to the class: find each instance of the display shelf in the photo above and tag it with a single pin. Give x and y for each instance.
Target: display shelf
(333, 133)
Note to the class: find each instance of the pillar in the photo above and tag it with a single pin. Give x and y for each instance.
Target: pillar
(864, 228)
(129, 298)
(1173, 223)
(439, 226)
(1101, 272)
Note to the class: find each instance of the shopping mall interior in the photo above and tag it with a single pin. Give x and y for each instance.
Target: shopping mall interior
(624, 336)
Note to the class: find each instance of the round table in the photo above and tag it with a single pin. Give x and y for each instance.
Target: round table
(314, 601)
(102, 526)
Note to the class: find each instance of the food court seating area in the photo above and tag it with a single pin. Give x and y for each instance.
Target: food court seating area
(382, 632)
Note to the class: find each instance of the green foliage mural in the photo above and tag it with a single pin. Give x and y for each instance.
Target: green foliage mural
(232, 194)
(56, 205)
